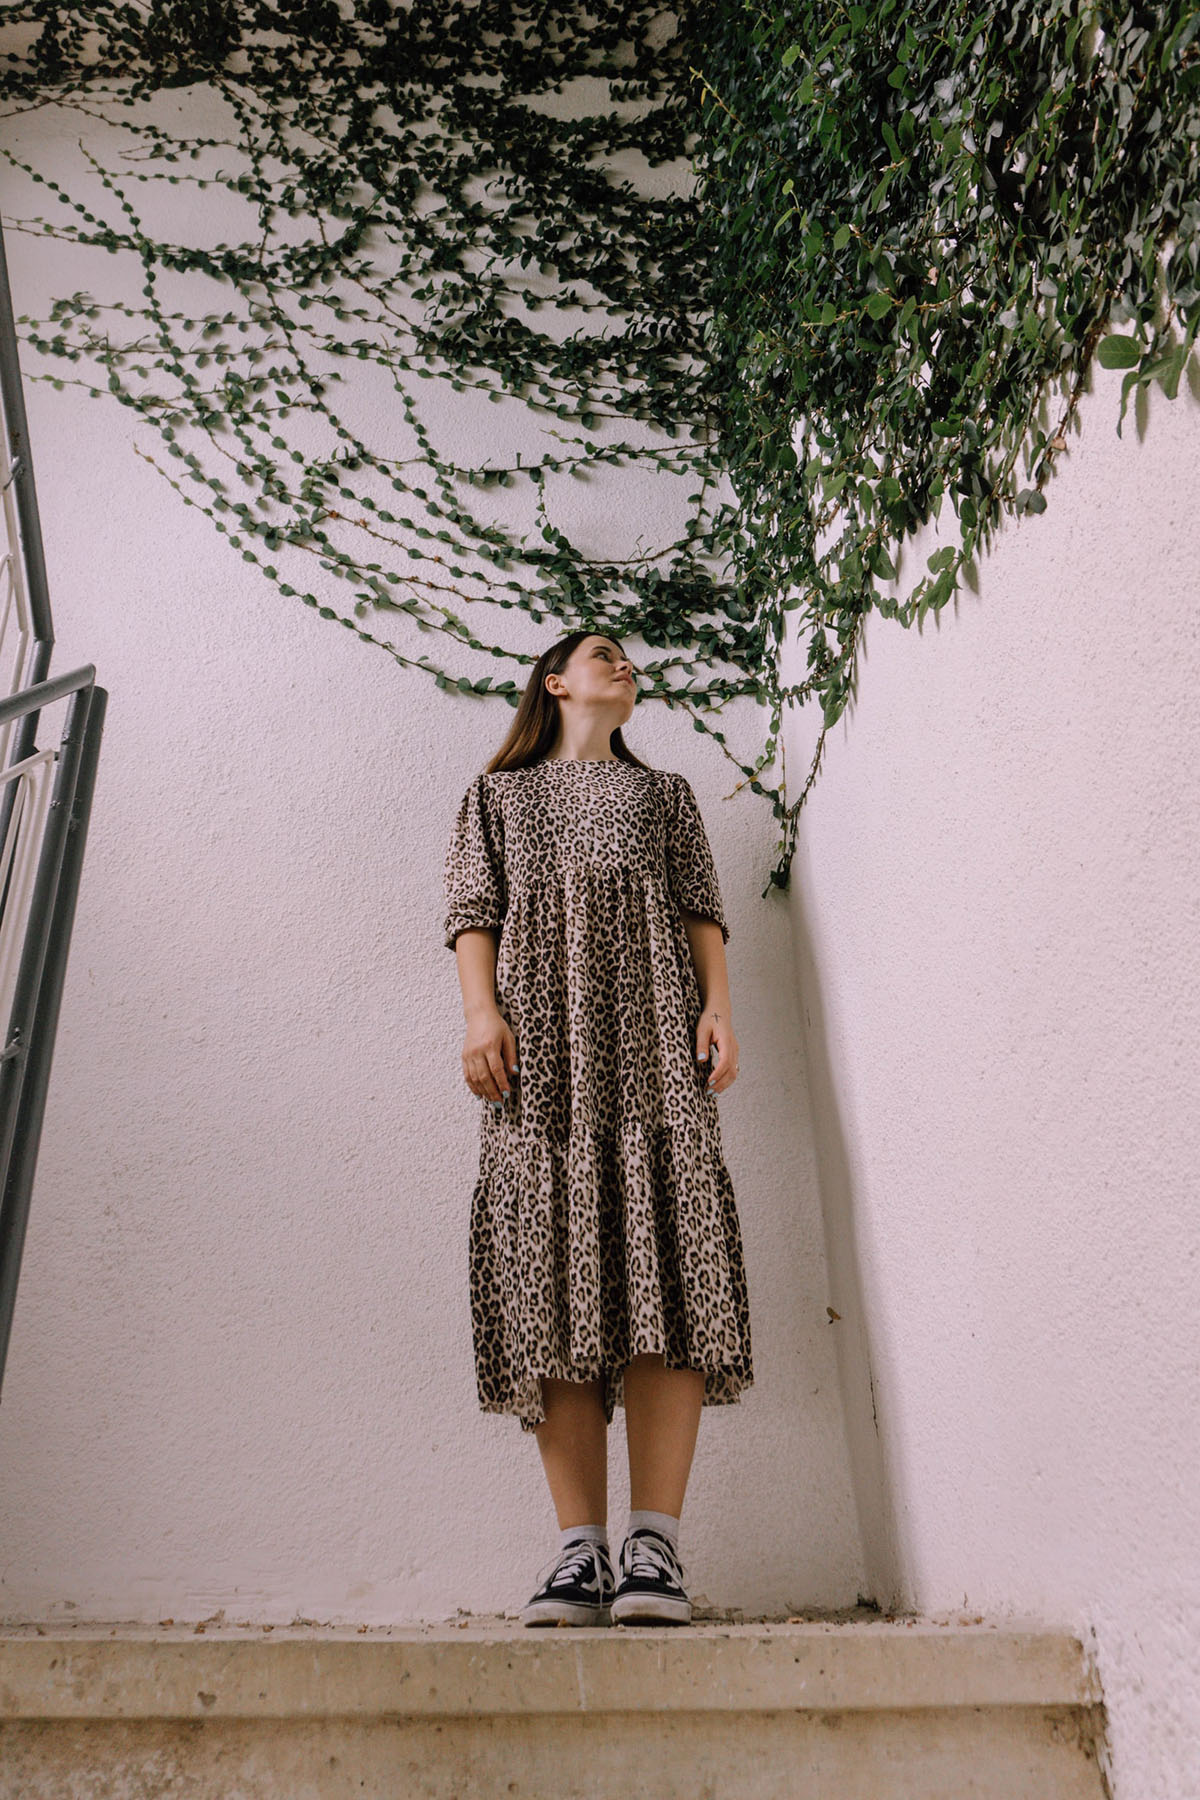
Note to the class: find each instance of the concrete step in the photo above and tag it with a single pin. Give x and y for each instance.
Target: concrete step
(916, 1709)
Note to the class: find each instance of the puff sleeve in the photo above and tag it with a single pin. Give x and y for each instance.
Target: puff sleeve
(476, 891)
(691, 871)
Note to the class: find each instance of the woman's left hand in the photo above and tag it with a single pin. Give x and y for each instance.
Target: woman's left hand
(714, 1031)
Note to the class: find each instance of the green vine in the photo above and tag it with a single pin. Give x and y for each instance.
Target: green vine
(413, 207)
(924, 220)
(912, 228)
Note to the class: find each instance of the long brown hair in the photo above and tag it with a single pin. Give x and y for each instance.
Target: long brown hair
(535, 727)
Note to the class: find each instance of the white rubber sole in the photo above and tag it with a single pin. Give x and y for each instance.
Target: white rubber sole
(647, 1609)
(565, 1612)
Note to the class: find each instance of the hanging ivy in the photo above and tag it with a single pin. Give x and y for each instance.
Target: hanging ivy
(924, 220)
(906, 230)
(422, 194)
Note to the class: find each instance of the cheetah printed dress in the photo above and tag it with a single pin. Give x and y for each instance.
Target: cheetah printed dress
(603, 1221)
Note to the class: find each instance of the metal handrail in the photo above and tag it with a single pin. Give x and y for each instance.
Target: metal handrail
(32, 699)
(20, 462)
(37, 907)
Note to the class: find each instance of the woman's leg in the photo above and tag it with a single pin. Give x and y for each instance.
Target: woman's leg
(662, 1419)
(573, 1441)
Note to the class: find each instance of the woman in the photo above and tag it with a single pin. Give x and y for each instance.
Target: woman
(605, 1259)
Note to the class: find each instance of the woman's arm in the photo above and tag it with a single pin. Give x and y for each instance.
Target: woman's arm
(489, 1053)
(715, 1025)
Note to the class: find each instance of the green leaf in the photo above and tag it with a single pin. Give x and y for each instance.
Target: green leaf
(1118, 352)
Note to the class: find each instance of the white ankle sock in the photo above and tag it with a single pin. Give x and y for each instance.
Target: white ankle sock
(664, 1523)
(595, 1534)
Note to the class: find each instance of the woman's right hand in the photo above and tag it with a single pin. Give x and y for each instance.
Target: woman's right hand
(489, 1054)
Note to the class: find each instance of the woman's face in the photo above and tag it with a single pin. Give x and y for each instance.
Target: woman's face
(598, 670)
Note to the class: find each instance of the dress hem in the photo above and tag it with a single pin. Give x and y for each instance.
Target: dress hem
(724, 1385)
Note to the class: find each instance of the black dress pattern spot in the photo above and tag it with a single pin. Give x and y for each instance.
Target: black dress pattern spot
(603, 1221)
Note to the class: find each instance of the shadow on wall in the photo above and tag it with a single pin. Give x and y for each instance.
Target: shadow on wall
(874, 1498)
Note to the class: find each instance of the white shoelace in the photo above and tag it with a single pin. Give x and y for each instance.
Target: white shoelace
(653, 1558)
(574, 1560)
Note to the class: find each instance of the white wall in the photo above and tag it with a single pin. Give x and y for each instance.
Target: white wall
(997, 924)
(240, 1374)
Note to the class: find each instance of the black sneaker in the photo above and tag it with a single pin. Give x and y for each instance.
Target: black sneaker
(578, 1590)
(651, 1590)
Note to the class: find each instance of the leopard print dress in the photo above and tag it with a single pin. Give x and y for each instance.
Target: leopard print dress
(603, 1221)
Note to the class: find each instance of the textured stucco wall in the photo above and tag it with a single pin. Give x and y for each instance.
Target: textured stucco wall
(240, 1374)
(998, 937)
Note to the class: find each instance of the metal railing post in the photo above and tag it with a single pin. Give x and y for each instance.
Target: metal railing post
(43, 1028)
(38, 919)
